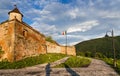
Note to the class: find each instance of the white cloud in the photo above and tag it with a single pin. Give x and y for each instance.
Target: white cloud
(112, 15)
(73, 13)
(44, 28)
(70, 44)
(108, 14)
(82, 27)
(91, 3)
(73, 43)
(74, 39)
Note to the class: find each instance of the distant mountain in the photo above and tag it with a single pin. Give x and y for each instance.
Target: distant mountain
(100, 45)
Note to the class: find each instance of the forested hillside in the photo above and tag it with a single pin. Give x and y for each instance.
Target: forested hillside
(101, 45)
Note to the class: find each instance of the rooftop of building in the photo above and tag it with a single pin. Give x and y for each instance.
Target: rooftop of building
(16, 10)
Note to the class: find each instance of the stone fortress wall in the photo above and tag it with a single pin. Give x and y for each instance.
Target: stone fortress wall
(7, 39)
(55, 48)
(28, 41)
(18, 40)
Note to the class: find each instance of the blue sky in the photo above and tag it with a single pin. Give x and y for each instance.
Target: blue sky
(83, 19)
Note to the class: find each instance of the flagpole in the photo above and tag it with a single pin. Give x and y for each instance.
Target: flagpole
(66, 41)
(65, 33)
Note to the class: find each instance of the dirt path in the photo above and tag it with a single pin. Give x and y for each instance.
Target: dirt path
(96, 68)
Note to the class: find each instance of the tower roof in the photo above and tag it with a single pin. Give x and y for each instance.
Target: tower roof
(16, 11)
(106, 35)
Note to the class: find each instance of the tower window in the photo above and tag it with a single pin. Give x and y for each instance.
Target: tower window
(25, 32)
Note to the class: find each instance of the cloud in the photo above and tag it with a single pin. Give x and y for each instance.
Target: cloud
(82, 27)
(44, 28)
(4, 9)
(74, 39)
(73, 13)
(108, 14)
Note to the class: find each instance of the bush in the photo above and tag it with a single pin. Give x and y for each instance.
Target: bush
(89, 54)
(49, 39)
(76, 62)
(100, 55)
(80, 54)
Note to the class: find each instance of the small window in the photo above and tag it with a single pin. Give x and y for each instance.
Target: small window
(25, 33)
(0, 47)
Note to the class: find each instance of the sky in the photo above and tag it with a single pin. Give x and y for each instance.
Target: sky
(82, 19)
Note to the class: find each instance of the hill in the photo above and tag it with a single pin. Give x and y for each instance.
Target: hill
(101, 45)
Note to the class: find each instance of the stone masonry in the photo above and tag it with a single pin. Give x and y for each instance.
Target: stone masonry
(55, 48)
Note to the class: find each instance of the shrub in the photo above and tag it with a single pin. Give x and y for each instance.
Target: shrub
(88, 54)
(49, 39)
(100, 55)
(76, 62)
(80, 54)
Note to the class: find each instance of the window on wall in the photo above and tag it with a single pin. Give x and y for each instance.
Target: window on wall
(0, 47)
(25, 32)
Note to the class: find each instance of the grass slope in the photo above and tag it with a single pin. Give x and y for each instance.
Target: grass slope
(31, 61)
(100, 45)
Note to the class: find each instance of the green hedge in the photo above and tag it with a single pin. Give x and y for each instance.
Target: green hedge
(90, 54)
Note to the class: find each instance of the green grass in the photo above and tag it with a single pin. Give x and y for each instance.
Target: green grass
(74, 62)
(31, 61)
(110, 62)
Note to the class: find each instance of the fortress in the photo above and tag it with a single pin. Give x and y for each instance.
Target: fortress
(18, 40)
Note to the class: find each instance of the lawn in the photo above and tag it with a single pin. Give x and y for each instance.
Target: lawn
(74, 62)
(31, 61)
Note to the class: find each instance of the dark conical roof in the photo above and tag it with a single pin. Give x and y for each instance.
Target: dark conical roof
(16, 11)
(106, 35)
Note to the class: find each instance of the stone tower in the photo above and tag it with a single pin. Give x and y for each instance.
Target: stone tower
(15, 13)
(19, 40)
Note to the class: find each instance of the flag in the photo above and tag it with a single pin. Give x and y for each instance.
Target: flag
(64, 33)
